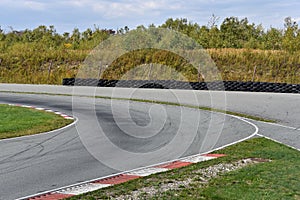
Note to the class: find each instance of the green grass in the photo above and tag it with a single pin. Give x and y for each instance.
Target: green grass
(17, 121)
(278, 179)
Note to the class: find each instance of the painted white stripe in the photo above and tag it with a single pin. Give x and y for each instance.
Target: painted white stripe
(39, 108)
(58, 113)
(277, 141)
(238, 141)
(68, 117)
(197, 158)
(83, 188)
(275, 124)
(25, 106)
(147, 171)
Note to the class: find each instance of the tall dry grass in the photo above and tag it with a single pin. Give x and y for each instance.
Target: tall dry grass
(28, 64)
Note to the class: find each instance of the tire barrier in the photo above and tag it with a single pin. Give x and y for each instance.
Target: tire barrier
(173, 84)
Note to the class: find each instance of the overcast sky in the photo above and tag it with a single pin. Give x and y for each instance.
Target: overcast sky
(65, 15)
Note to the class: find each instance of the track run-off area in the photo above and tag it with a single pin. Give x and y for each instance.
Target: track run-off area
(115, 135)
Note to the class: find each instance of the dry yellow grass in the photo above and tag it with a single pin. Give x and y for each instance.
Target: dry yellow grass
(233, 65)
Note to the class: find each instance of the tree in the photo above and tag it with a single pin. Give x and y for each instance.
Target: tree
(2, 35)
(126, 29)
(212, 23)
(290, 42)
(75, 38)
(214, 38)
(272, 39)
(66, 36)
(235, 32)
(87, 34)
(203, 37)
(180, 25)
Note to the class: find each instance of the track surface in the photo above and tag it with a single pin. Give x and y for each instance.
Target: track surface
(43, 162)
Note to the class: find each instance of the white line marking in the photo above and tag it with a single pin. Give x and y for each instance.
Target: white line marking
(238, 141)
(275, 124)
(24, 106)
(197, 158)
(277, 141)
(39, 108)
(83, 188)
(147, 171)
(68, 117)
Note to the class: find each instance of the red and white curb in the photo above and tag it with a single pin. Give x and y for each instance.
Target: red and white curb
(121, 178)
(44, 109)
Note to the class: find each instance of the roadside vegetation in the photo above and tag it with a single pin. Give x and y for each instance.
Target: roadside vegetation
(242, 51)
(18, 121)
(254, 169)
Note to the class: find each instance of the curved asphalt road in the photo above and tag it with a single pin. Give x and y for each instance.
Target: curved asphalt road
(35, 164)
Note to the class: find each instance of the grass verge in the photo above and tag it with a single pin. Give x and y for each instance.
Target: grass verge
(18, 121)
(278, 179)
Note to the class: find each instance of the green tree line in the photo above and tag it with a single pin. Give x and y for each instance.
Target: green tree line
(232, 33)
(43, 55)
(240, 33)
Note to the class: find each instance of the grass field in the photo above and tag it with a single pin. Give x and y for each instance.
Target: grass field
(277, 178)
(18, 121)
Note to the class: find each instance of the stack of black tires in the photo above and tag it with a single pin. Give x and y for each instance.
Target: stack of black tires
(173, 84)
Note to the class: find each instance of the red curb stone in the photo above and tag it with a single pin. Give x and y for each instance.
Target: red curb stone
(215, 155)
(117, 179)
(51, 196)
(174, 165)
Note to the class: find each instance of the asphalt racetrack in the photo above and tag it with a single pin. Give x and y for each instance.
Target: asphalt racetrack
(111, 136)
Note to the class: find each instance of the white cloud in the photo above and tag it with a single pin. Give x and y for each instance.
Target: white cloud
(123, 8)
(133, 8)
(34, 5)
(117, 13)
(296, 19)
(27, 4)
(77, 3)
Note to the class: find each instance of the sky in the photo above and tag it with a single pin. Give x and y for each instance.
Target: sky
(66, 15)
